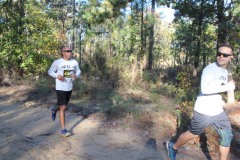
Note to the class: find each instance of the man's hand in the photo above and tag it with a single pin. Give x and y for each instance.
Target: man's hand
(231, 86)
(60, 77)
(74, 77)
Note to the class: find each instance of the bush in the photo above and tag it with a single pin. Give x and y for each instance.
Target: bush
(237, 95)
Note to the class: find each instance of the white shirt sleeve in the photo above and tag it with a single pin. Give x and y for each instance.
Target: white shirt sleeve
(53, 70)
(78, 71)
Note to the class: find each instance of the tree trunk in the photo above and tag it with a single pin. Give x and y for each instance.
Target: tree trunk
(199, 35)
(21, 24)
(151, 39)
(73, 23)
(222, 32)
(142, 32)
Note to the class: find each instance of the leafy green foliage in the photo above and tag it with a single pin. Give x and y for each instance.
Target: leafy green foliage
(237, 95)
(113, 41)
(27, 49)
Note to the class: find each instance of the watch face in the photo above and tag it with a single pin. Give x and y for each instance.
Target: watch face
(67, 73)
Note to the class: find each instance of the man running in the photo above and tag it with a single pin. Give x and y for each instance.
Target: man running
(208, 108)
(65, 70)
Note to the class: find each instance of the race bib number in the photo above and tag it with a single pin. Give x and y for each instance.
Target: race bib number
(68, 73)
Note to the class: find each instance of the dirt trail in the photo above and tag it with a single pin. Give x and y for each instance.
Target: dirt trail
(29, 134)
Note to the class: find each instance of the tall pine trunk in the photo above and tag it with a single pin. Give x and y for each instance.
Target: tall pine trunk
(222, 31)
(151, 38)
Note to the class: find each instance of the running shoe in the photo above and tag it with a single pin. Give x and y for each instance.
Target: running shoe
(53, 113)
(171, 152)
(65, 133)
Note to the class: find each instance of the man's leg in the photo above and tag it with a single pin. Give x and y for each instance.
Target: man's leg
(64, 131)
(64, 100)
(198, 123)
(224, 129)
(54, 111)
(62, 115)
(223, 152)
(225, 142)
(183, 139)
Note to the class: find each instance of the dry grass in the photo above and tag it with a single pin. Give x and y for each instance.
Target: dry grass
(133, 107)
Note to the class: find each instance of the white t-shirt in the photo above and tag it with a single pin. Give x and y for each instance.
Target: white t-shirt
(66, 69)
(213, 81)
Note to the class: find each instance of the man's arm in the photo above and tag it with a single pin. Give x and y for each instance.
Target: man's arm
(53, 70)
(77, 72)
(209, 86)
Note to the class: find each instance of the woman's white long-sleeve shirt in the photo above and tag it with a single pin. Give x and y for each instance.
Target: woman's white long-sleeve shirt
(214, 80)
(66, 69)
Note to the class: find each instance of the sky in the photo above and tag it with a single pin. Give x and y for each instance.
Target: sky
(167, 13)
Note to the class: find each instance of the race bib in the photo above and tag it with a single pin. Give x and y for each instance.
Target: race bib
(68, 73)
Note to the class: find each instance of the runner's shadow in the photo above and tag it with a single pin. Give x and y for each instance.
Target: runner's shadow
(151, 143)
(76, 124)
(204, 146)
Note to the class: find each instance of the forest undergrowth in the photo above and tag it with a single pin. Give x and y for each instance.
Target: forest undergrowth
(153, 103)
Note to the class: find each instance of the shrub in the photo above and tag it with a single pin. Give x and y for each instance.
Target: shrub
(237, 95)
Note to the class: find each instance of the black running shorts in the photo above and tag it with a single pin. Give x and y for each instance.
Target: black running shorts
(63, 97)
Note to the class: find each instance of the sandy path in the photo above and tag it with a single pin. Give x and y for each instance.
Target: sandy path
(30, 134)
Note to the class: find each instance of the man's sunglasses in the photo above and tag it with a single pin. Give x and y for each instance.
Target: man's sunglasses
(68, 51)
(225, 55)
